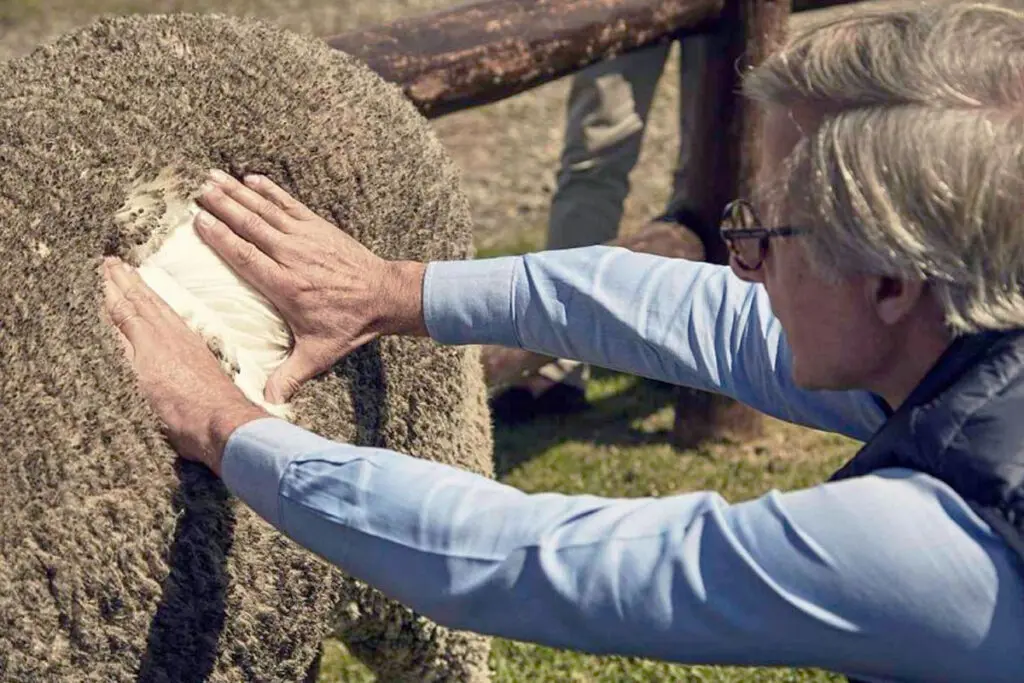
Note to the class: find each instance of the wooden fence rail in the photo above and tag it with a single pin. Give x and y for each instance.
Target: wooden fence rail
(483, 52)
(480, 53)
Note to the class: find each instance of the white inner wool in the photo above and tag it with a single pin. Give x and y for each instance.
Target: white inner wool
(219, 305)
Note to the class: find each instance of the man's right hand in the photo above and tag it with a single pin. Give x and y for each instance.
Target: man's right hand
(334, 293)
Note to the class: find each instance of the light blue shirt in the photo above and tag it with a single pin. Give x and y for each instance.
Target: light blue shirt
(888, 577)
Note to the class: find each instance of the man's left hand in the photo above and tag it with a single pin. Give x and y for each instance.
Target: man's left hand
(196, 401)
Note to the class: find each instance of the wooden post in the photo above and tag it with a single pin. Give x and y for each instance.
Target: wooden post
(721, 141)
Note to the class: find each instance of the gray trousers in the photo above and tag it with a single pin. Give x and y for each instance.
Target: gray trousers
(607, 112)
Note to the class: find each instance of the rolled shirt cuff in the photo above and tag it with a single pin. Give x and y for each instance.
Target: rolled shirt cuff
(471, 302)
(256, 458)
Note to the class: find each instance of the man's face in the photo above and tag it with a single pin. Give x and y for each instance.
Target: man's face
(830, 324)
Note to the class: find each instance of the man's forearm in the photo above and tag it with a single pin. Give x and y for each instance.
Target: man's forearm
(781, 580)
(688, 323)
(610, 307)
(223, 423)
(606, 306)
(469, 552)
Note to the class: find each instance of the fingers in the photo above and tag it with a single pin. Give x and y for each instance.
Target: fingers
(133, 307)
(271, 191)
(272, 214)
(147, 303)
(131, 303)
(289, 376)
(265, 199)
(121, 311)
(245, 221)
(243, 256)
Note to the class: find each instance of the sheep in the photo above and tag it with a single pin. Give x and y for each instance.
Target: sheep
(118, 561)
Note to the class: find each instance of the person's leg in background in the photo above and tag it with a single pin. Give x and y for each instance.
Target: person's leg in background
(688, 178)
(607, 112)
(606, 115)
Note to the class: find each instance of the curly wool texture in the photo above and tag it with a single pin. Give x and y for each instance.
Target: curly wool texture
(117, 562)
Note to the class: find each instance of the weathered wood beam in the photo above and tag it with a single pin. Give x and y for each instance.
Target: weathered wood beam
(480, 53)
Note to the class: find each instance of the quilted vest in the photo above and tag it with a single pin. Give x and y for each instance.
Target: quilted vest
(964, 425)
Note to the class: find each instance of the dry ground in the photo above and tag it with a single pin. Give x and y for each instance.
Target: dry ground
(508, 153)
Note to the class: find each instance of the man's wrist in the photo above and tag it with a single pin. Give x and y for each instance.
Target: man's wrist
(223, 424)
(405, 294)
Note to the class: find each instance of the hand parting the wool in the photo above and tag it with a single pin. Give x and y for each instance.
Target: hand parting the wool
(195, 400)
(333, 292)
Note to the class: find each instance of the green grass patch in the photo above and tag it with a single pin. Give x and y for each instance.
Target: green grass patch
(523, 240)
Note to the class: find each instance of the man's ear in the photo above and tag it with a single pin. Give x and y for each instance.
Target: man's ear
(893, 299)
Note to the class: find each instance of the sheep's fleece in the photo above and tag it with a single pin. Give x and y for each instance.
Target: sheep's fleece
(118, 562)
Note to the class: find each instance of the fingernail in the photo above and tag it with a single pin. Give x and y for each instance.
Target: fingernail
(206, 189)
(253, 179)
(205, 220)
(219, 176)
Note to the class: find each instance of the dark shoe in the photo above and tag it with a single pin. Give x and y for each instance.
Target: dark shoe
(513, 406)
(517, 405)
(562, 399)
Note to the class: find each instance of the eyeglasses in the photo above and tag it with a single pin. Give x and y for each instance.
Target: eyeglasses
(747, 239)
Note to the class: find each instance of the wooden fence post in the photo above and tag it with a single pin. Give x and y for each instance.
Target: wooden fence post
(721, 143)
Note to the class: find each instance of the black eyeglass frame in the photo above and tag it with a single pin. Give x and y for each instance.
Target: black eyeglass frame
(729, 235)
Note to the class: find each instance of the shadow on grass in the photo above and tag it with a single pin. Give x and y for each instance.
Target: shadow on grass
(621, 401)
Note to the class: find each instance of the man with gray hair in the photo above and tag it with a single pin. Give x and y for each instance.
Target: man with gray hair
(874, 290)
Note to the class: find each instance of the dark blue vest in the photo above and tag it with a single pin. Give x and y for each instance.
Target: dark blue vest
(964, 425)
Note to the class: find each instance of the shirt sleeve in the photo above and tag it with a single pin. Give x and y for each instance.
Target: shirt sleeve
(885, 577)
(688, 323)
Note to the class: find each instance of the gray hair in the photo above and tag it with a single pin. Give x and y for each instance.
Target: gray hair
(916, 169)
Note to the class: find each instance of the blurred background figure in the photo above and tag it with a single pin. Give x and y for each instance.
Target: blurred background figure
(606, 117)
